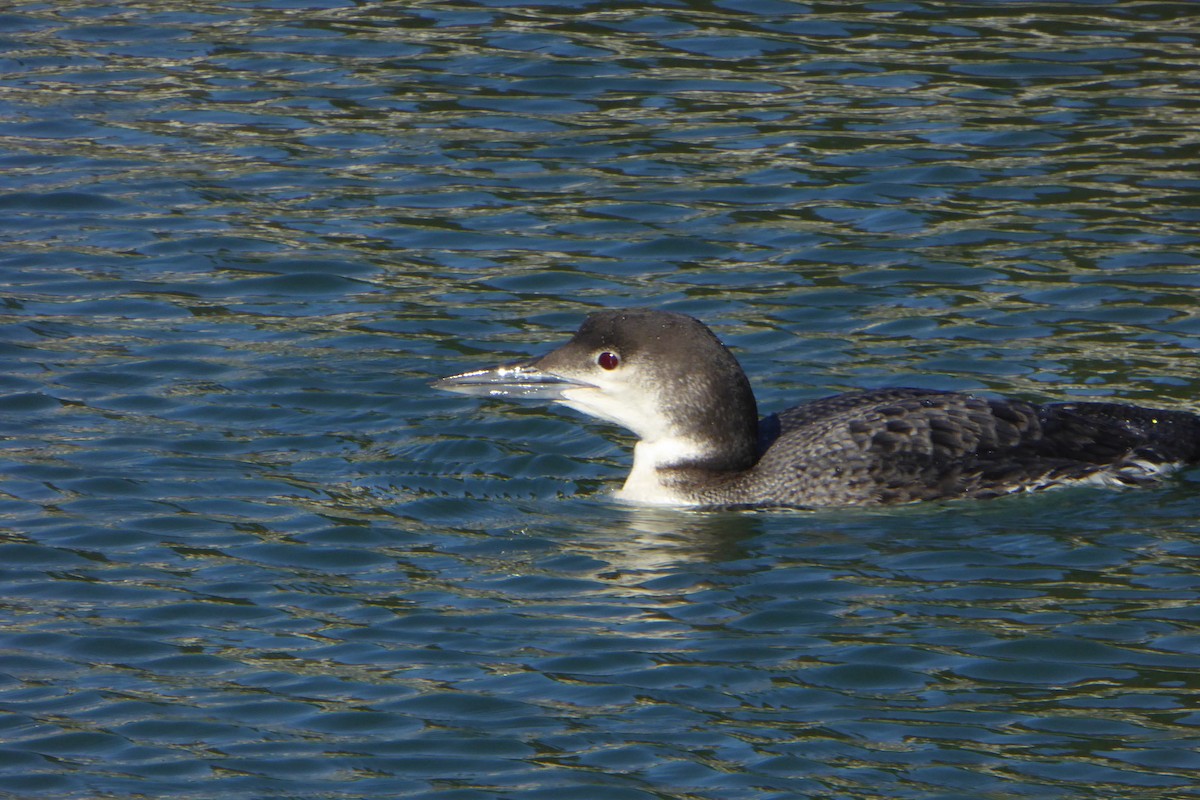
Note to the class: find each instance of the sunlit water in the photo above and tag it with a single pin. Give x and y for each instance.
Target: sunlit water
(247, 552)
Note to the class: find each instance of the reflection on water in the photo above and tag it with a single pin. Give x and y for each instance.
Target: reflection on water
(246, 552)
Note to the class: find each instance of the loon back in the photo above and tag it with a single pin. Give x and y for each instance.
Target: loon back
(668, 379)
(903, 445)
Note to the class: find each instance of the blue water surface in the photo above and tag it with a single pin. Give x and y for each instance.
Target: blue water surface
(247, 552)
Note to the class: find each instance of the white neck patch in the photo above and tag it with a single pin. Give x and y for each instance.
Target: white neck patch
(645, 484)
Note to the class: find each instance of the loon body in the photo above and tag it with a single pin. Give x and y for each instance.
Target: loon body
(669, 380)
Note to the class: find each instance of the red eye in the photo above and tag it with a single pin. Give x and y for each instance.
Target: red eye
(608, 360)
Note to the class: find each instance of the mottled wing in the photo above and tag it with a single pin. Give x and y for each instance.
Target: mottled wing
(889, 446)
(900, 445)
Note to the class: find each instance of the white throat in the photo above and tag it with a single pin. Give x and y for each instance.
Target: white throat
(659, 447)
(645, 482)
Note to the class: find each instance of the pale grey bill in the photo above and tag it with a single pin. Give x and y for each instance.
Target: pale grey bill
(510, 380)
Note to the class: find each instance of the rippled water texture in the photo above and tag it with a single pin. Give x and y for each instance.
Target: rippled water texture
(247, 552)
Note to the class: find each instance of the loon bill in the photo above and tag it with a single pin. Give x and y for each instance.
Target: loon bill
(669, 380)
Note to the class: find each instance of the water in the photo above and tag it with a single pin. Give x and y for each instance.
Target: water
(248, 553)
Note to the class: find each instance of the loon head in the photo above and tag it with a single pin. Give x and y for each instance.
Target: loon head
(664, 376)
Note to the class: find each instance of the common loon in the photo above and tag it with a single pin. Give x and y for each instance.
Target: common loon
(666, 377)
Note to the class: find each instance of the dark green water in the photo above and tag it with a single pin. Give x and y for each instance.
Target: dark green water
(247, 553)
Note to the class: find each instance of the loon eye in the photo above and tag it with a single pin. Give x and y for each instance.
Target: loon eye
(608, 360)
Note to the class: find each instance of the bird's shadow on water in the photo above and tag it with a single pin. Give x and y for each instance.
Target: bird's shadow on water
(531, 522)
(638, 537)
